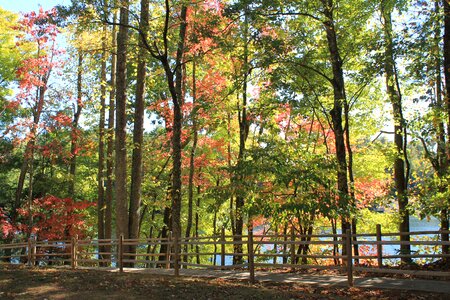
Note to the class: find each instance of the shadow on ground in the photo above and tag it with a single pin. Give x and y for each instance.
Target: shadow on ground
(32, 283)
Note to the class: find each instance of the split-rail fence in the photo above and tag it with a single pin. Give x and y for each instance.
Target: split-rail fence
(362, 252)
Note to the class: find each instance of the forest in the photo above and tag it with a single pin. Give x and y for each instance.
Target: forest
(185, 118)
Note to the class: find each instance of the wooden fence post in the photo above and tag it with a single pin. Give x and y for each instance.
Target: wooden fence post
(176, 254)
(251, 256)
(29, 252)
(222, 248)
(169, 249)
(292, 248)
(445, 237)
(33, 251)
(275, 248)
(285, 239)
(73, 251)
(379, 247)
(120, 254)
(349, 257)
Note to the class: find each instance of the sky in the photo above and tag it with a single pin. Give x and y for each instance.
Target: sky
(30, 5)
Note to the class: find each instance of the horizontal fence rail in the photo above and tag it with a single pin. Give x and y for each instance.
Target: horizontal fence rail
(346, 252)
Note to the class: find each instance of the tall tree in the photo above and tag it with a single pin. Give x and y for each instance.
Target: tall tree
(176, 91)
(121, 123)
(35, 74)
(446, 4)
(101, 141)
(428, 73)
(174, 73)
(192, 156)
(244, 126)
(109, 191)
(395, 97)
(138, 131)
(338, 104)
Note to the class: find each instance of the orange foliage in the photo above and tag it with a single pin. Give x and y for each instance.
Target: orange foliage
(56, 218)
(367, 190)
(6, 228)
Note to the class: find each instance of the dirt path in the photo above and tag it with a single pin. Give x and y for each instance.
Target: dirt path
(411, 284)
(18, 282)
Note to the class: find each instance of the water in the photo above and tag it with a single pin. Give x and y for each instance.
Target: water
(415, 224)
(424, 225)
(431, 224)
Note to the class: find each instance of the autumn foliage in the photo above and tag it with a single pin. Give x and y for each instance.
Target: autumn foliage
(5, 225)
(53, 219)
(35, 70)
(369, 190)
(245, 113)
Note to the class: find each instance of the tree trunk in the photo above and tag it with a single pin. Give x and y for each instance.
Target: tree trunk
(336, 112)
(174, 78)
(30, 147)
(197, 222)
(138, 132)
(30, 200)
(165, 234)
(394, 95)
(231, 207)
(121, 123)
(335, 239)
(150, 236)
(176, 92)
(27, 160)
(214, 234)
(285, 238)
(192, 160)
(447, 67)
(27, 164)
(350, 175)
(76, 119)
(444, 212)
(101, 146)
(443, 155)
(243, 134)
(109, 192)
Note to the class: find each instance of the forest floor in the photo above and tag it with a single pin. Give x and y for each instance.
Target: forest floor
(20, 282)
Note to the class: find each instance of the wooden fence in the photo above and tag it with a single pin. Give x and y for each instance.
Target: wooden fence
(322, 251)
